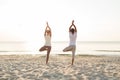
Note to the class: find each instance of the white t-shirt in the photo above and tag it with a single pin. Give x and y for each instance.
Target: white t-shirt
(72, 38)
(47, 40)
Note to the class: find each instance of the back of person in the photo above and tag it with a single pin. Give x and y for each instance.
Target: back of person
(72, 38)
(72, 43)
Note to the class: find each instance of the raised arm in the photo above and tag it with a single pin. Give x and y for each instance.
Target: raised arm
(70, 28)
(50, 32)
(73, 26)
(47, 29)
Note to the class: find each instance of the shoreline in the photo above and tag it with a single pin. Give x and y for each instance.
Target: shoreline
(67, 53)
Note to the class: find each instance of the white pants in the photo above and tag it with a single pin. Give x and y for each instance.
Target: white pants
(70, 48)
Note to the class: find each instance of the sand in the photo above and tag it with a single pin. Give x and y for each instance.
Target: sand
(33, 67)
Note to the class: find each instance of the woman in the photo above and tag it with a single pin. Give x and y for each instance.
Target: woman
(47, 45)
(72, 44)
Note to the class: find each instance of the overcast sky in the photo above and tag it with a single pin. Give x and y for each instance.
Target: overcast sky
(25, 20)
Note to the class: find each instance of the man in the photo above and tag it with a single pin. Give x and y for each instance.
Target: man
(72, 44)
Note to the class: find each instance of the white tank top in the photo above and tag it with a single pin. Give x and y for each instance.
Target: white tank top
(72, 38)
(47, 40)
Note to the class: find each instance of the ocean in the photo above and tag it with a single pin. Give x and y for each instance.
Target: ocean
(82, 47)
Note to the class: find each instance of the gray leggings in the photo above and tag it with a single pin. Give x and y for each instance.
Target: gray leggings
(70, 48)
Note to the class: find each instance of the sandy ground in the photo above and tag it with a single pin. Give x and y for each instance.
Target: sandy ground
(33, 67)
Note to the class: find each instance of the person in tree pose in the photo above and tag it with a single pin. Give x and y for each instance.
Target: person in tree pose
(47, 46)
(72, 43)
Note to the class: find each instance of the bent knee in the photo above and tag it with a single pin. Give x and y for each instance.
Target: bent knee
(39, 49)
(64, 50)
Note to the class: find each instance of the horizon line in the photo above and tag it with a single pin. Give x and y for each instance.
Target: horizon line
(63, 41)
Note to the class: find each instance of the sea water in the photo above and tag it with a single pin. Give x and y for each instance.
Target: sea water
(82, 47)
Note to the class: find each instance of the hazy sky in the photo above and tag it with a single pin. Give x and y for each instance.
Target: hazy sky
(25, 20)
